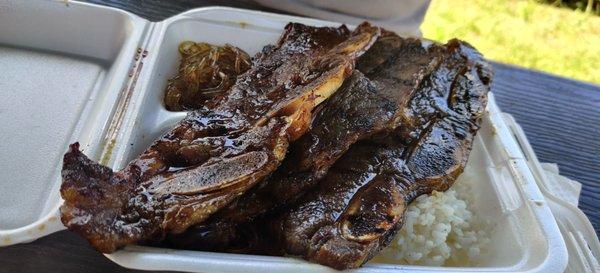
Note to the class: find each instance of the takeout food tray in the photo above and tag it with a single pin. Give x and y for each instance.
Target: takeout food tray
(81, 72)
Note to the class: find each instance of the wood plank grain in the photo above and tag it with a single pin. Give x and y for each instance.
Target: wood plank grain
(561, 118)
(59, 252)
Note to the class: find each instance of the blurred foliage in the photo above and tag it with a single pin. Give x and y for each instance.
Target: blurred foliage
(525, 33)
(590, 6)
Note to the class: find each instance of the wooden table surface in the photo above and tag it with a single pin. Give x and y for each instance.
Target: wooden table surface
(561, 118)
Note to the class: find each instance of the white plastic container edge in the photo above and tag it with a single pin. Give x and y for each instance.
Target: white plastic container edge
(579, 234)
(403, 17)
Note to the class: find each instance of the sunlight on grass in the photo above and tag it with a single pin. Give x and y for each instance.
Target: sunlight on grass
(524, 33)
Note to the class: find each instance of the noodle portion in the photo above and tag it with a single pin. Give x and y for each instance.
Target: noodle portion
(205, 72)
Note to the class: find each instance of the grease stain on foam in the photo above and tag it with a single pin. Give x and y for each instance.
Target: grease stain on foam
(538, 202)
(493, 130)
(41, 227)
(241, 24)
(108, 153)
(6, 240)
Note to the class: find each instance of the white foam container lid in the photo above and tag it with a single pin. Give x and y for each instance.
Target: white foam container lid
(76, 72)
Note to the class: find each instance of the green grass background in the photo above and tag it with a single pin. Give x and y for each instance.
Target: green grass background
(522, 32)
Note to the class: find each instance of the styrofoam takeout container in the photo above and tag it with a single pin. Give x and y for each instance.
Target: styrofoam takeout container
(80, 72)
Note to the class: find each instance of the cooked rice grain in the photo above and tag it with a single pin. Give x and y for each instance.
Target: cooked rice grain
(439, 229)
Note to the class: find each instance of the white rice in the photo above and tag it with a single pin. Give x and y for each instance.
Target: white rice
(439, 230)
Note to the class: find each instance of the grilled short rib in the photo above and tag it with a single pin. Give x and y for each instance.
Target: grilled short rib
(217, 152)
(363, 107)
(358, 206)
(355, 210)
